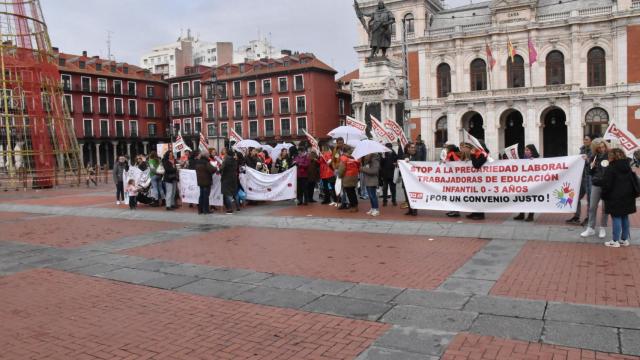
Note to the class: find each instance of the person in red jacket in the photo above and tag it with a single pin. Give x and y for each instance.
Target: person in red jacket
(328, 177)
(349, 170)
(302, 162)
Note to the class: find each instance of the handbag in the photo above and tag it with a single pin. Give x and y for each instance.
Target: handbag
(160, 170)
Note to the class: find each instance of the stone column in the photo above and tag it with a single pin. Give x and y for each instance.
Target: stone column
(574, 125)
(129, 150)
(454, 127)
(97, 155)
(531, 126)
(146, 147)
(115, 151)
(491, 127)
(424, 74)
(81, 152)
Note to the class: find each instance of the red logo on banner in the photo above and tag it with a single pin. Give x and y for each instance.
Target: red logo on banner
(416, 195)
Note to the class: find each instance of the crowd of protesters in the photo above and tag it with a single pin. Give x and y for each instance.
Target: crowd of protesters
(607, 178)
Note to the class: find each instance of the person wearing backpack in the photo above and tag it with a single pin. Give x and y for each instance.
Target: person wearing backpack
(620, 189)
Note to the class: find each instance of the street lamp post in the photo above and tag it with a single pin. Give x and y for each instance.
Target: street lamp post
(213, 83)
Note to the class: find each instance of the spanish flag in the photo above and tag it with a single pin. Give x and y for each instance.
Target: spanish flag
(511, 50)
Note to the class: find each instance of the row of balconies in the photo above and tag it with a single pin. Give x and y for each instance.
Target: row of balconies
(254, 135)
(116, 113)
(253, 115)
(236, 95)
(116, 91)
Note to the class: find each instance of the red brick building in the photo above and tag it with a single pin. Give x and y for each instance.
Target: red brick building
(271, 100)
(186, 99)
(117, 108)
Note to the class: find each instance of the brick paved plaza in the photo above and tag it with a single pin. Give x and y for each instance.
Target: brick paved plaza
(83, 278)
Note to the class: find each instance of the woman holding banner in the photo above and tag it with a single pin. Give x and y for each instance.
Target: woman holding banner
(598, 163)
(619, 190)
(530, 152)
(170, 179)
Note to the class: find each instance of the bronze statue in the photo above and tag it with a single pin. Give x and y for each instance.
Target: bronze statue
(379, 27)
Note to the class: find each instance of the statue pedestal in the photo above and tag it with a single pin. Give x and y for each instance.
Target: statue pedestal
(379, 91)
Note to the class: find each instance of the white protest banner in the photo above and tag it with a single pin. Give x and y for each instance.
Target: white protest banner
(190, 191)
(269, 187)
(356, 124)
(628, 142)
(161, 149)
(379, 131)
(512, 152)
(395, 129)
(312, 141)
(549, 185)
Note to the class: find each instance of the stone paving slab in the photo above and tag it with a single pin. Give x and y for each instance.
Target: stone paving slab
(327, 287)
(95, 269)
(491, 261)
(438, 319)
(226, 274)
(467, 286)
(284, 298)
(593, 315)
(598, 338)
(630, 340)
(170, 282)
(379, 353)
(186, 269)
(436, 299)
(215, 288)
(286, 281)
(507, 307)
(254, 278)
(133, 276)
(376, 293)
(508, 327)
(414, 340)
(348, 307)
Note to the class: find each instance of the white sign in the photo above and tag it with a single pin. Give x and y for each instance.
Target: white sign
(512, 152)
(161, 149)
(190, 191)
(541, 185)
(269, 187)
(628, 142)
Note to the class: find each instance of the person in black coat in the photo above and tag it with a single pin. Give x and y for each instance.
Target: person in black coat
(204, 172)
(619, 191)
(170, 179)
(229, 179)
(388, 166)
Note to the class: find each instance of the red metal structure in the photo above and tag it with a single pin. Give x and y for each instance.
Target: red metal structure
(38, 148)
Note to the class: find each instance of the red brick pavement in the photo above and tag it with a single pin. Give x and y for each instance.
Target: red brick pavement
(403, 261)
(386, 213)
(74, 231)
(72, 200)
(14, 216)
(54, 315)
(577, 273)
(475, 347)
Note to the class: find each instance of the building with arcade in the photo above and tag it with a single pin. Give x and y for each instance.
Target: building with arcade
(574, 66)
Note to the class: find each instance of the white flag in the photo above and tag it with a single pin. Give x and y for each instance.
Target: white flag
(203, 145)
(233, 136)
(512, 152)
(627, 141)
(379, 131)
(179, 144)
(314, 143)
(394, 129)
(356, 124)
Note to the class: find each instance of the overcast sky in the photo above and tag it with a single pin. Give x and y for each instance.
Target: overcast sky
(328, 28)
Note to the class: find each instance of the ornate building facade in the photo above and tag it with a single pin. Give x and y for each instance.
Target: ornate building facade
(576, 67)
